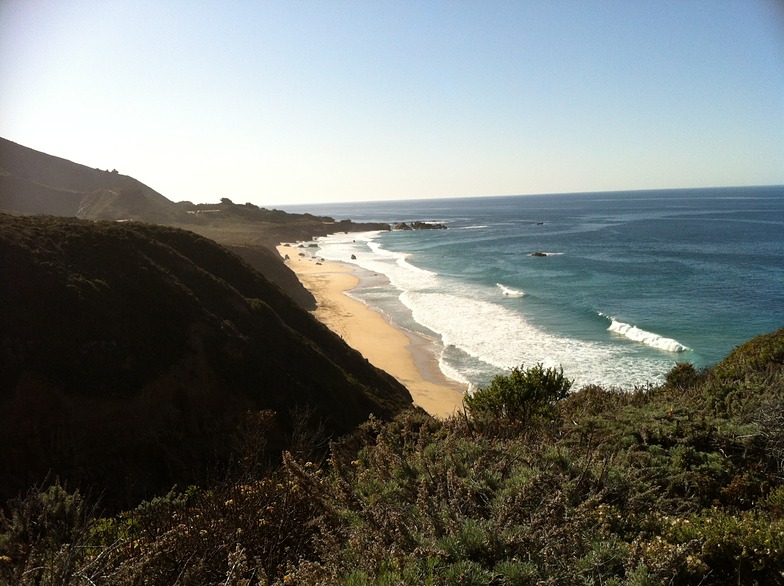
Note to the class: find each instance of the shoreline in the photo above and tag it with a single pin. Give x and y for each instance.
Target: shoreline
(404, 355)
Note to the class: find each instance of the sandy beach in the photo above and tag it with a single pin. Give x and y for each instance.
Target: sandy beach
(407, 357)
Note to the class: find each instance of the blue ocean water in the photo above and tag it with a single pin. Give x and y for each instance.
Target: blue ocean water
(629, 284)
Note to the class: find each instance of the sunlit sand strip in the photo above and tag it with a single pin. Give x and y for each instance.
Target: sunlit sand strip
(406, 357)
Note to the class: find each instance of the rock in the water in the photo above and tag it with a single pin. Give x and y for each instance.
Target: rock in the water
(418, 225)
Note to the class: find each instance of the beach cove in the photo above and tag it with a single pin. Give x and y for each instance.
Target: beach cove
(615, 288)
(405, 356)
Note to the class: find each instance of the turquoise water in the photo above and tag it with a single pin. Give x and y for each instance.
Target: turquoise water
(630, 282)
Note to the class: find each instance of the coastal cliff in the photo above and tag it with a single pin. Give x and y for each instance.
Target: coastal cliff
(131, 355)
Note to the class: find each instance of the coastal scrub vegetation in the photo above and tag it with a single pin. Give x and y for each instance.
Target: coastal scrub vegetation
(131, 353)
(520, 395)
(678, 483)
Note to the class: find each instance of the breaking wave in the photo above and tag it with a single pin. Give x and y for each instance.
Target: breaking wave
(509, 292)
(478, 334)
(648, 338)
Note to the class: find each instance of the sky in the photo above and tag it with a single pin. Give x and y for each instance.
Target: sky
(299, 101)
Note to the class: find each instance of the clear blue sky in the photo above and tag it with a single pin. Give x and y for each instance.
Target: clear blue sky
(296, 101)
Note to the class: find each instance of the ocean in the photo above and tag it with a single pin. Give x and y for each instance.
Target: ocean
(615, 288)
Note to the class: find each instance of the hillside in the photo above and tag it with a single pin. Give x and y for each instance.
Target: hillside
(32, 182)
(131, 353)
(678, 484)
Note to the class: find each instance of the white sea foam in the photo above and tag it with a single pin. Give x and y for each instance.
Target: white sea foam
(508, 292)
(502, 338)
(403, 263)
(648, 338)
(452, 373)
(480, 335)
(361, 249)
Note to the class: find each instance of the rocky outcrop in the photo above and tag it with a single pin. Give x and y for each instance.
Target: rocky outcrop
(418, 225)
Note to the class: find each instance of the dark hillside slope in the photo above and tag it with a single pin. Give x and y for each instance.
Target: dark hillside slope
(130, 352)
(32, 182)
(267, 261)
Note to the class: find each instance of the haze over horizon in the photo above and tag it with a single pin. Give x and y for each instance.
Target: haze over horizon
(292, 102)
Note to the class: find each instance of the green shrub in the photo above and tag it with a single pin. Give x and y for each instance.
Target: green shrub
(466, 573)
(43, 536)
(520, 395)
(682, 376)
(515, 573)
(749, 545)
